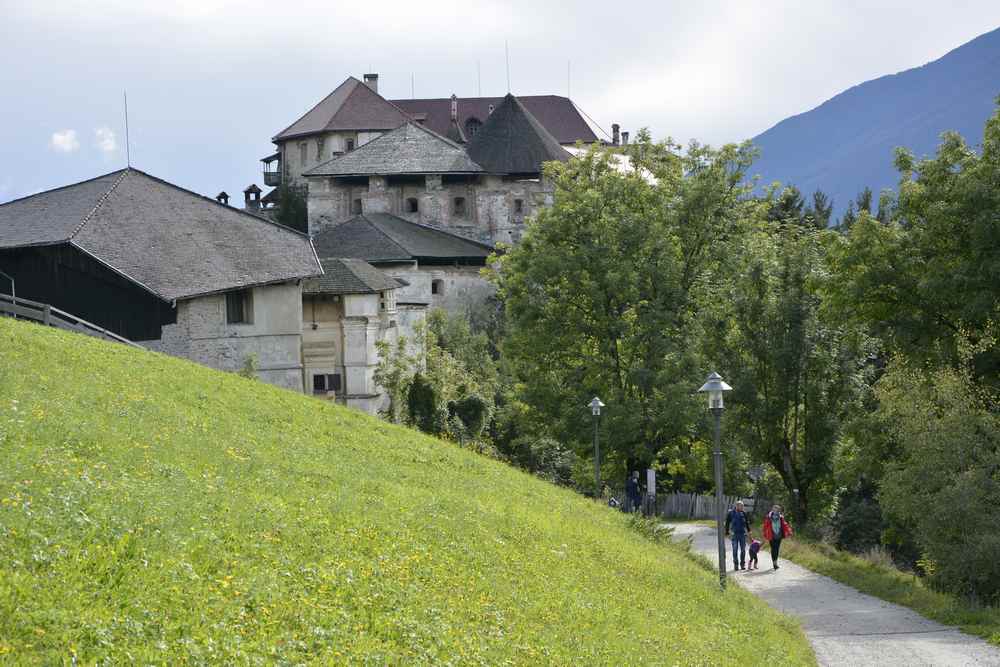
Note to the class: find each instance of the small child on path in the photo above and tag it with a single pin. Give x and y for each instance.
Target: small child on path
(754, 549)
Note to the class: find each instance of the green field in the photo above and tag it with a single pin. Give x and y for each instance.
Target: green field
(154, 511)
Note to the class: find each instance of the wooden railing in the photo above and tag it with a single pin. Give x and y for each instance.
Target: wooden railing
(12, 306)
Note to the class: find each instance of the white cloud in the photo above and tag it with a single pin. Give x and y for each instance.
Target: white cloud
(105, 140)
(64, 141)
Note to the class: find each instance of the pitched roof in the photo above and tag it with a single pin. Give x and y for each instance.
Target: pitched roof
(512, 141)
(409, 149)
(557, 114)
(349, 276)
(351, 106)
(381, 237)
(173, 242)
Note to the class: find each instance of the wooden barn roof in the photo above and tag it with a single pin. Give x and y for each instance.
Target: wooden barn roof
(173, 242)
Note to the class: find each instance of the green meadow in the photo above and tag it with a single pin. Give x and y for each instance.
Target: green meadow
(155, 511)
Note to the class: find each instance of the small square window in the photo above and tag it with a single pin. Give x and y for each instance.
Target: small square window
(239, 307)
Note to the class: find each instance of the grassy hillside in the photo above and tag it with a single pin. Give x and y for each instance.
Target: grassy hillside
(154, 510)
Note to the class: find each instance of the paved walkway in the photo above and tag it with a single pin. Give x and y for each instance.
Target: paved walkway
(846, 627)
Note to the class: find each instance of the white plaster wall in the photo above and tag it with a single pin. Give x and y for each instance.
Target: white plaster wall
(201, 334)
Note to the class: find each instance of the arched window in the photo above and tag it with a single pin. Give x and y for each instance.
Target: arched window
(412, 205)
(472, 127)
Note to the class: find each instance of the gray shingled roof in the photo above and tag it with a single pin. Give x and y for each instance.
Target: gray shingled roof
(381, 237)
(512, 141)
(175, 243)
(557, 114)
(409, 149)
(349, 276)
(351, 106)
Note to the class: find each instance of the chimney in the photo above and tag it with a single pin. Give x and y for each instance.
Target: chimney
(222, 198)
(454, 107)
(371, 80)
(490, 112)
(624, 138)
(251, 197)
(614, 134)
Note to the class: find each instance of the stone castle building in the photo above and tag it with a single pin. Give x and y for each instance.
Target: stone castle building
(472, 166)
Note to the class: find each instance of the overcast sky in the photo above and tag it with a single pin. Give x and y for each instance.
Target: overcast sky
(210, 81)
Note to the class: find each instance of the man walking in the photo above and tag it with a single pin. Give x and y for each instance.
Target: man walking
(632, 492)
(738, 521)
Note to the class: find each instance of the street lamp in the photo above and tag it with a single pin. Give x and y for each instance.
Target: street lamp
(595, 408)
(714, 387)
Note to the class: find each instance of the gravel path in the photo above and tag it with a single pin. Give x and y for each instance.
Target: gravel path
(844, 626)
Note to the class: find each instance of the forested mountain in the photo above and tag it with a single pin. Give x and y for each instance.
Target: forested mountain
(846, 143)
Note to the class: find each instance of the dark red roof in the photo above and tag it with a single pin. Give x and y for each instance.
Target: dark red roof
(557, 114)
(351, 106)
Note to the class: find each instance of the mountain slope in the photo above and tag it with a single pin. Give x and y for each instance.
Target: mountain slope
(847, 143)
(155, 511)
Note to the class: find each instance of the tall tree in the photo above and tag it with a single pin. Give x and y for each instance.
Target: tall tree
(795, 375)
(820, 210)
(600, 294)
(925, 278)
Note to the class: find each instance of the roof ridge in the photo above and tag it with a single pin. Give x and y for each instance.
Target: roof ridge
(234, 209)
(100, 202)
(62, 187)
(315, 106)
(374, 225)
(445, 232)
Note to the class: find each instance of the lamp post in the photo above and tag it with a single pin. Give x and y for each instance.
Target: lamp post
(714, 387)
(595, 409)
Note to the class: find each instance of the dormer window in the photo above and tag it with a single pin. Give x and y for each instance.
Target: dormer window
(412, 205)
(458, 207)
(472, 127)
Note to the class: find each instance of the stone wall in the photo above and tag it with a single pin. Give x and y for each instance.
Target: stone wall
(201, 334)
(319, 149)
(491, 210)
(339, 337)
(459, 289)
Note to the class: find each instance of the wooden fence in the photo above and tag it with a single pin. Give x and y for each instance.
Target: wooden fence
(689, 505)
(12, 306)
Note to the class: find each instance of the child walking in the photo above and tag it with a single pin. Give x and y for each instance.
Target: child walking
(754, 550)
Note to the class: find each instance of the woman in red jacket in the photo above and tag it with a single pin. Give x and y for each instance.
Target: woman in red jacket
(775, 529)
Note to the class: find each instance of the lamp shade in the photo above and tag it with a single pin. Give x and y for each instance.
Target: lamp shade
(715, 386)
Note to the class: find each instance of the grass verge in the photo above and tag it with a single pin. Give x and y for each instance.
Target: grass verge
(156, 511)
(892, 585)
